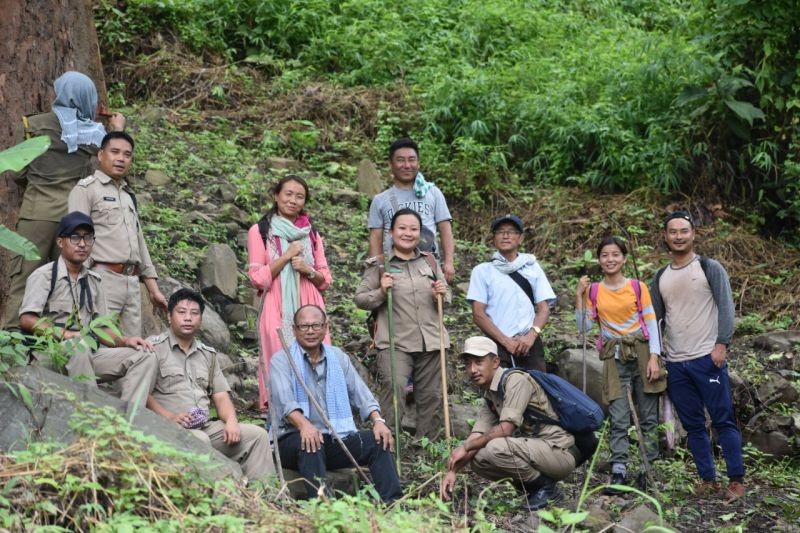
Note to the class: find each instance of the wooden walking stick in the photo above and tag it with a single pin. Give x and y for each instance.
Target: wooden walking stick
(443, 369)
(313, 400)
(272, 414)
(393, 362)
(642, 448)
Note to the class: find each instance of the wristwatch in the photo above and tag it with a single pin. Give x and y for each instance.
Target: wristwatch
(538, 330)
(312, 274)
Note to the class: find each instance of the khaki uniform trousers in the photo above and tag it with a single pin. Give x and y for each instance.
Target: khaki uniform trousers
(135, 369)
(124, 296)
(522, 459)
(42, 233)
(427, 389)
(252, 451)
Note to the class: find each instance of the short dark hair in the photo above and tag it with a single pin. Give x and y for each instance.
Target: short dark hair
(404, 211)
(318, 308)
(405, 142)
(116, 135)
(679, 214)
(185, 294)
(609, 240)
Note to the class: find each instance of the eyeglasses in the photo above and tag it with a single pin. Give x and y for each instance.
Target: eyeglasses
(316, 326)
(76, 239)
(507, 232)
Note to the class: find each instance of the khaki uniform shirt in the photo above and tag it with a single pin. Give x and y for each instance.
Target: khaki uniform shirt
(63, 307)
(51, 176)
(521, 392)
(182, 379)
(118, 234)
(416, 318)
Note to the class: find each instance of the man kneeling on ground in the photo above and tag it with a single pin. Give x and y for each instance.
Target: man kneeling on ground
(305, 442)
(503, 445)
(189, 377)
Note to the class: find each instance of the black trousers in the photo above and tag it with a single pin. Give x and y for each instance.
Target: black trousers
(361, 444)
(534, 359)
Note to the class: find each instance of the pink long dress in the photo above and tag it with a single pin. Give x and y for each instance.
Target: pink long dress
(261, 278)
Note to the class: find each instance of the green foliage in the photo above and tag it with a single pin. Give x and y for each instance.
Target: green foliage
(614, 95)
(18, 156)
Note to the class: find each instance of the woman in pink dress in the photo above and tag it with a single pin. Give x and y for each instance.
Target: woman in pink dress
(288, 267)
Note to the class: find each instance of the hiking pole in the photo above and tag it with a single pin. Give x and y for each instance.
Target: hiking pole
(443, 368)
(273, 429)
(313, 400)
(642, 448)
(393, 362)
(583, 339)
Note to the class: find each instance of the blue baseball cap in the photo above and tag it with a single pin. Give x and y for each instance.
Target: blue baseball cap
(72, 221)
(513, 219)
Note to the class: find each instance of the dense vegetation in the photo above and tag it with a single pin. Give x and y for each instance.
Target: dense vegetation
(682, 95)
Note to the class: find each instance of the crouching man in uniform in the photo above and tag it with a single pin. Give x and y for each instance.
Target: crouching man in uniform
(189, 378)
(502, 444)
(65, 296)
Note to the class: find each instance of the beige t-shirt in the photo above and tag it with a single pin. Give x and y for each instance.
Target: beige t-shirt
(691, 314)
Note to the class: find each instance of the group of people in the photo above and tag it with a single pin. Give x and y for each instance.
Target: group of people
(310, 386)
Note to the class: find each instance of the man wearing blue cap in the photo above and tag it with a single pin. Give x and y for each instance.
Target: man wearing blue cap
(64, 297)
(511, 297)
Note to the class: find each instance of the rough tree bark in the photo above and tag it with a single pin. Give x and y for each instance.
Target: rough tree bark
(40, 40)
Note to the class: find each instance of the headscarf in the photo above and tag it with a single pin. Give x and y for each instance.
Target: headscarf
(75, 106)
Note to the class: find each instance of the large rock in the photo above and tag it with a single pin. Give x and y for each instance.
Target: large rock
(639, 519)
(462, 418)
(570, 367)
(219, 269)
(370, 181)
(778, 341)
(776, 389)
(156, 177)
(772, 434)
(57, 398)
(346, 197)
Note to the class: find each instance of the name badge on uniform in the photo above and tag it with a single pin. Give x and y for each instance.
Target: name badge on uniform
(109, 199)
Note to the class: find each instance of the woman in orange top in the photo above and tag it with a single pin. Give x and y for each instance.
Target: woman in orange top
(629, 346)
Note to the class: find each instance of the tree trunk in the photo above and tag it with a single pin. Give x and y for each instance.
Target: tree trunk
(41, 39)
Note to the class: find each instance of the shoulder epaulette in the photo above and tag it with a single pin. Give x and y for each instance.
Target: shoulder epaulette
(158, 339)
(206, 347)
(85, 182)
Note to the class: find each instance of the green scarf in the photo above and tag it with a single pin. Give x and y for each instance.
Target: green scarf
(287, 232)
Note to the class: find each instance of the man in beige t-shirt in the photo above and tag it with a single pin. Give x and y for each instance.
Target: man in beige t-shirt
(502, 443)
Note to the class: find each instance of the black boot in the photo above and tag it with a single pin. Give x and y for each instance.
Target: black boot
(541, 492)
(616, 479)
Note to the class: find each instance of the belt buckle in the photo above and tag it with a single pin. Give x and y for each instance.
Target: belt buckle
(128, 269)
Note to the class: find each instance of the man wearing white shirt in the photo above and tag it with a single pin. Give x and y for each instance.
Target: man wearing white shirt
(511, 297)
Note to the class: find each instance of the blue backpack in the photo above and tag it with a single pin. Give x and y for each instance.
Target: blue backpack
(577, 413)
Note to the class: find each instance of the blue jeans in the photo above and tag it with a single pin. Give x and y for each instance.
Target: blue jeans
(697, 384)
(361, 444)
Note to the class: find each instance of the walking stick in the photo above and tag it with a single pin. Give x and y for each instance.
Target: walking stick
(443, 369)
(642, 448)
(318, 407)
(583, 340)
(272, 414)
(393, 362)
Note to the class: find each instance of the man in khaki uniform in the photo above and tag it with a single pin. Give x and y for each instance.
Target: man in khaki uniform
(120, 255)
(48, 179)
(189, 377)
(64, 295)
(503, 444)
